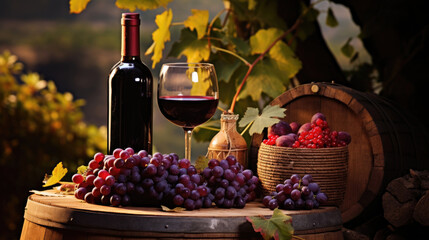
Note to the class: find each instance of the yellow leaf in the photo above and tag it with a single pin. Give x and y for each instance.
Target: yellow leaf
(82, 169)
(161, 35)
(198, 20)
(57, 174)
(176, 209)
(141, 4)
(77, 6)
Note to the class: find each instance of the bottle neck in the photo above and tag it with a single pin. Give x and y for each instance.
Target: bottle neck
(130, 48)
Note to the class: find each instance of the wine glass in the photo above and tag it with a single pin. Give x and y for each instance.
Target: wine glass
(188, 96)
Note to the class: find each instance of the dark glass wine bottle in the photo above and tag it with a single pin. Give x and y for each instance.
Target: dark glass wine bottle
(130, 94)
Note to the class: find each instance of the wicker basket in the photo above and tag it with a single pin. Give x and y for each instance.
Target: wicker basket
(328, 167)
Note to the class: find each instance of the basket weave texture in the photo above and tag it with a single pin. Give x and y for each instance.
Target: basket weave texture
(328, 167)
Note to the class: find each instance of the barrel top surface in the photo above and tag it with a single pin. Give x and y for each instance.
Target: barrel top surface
(67, 211)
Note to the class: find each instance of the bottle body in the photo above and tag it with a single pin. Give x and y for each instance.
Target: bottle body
(228, 141)
(130, 104)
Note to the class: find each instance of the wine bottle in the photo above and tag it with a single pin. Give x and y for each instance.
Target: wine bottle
(130, 93)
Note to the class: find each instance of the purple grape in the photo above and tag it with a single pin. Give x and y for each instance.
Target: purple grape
(161, 186)
(281, 197)
(305, 191)
(230, 192)
(295, 194)
(89, 197)
(185, 193)
(207, 173)
(321, 198)
(207, 202)
(248, 174)
(189, 204)
(239, 202)
(228, 203)
(213, 163)
(229, 175)
(273, 204)
(295, 178)
(120, 189)
(299, 204)
(179, 187)
(219, 193)
(184, 179)
(218, 171)
(147, 183)
(172, 179)
(150, 170)
(224, 164)
(196, 178)
(194, 195)
(224, 183)
(198, 203)
(314, 187)
(309, 204)
(266, 200)
(231, 160)
(115, 200)
(192, 170)
(279, 187)
(289, 204)
(125, 200)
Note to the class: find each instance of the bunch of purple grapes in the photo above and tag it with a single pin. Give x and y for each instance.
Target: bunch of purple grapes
(231, 185)
(128, 178)
(140, 179)
(296, 193)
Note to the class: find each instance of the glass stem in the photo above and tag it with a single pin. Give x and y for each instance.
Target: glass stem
(188, 138)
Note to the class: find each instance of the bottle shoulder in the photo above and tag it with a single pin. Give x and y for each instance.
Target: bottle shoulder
(130, 68)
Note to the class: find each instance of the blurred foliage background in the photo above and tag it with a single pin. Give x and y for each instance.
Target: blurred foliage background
(54, 68)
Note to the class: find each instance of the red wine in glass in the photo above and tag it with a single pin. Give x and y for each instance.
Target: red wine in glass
(187, 111)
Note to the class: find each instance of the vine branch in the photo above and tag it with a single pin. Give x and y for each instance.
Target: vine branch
(260, 57)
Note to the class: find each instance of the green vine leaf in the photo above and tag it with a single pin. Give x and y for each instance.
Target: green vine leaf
(160, 36)
(144, 5)
(198, 20)
(268, 77)
(331, 20)
(348, 49)
(279, 226)
(270, 115)
(201, 163)
(194, 49)
(77, 6)
(287, 63)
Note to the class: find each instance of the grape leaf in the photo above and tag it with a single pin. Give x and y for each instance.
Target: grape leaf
(189, 45)
(198, 20)
(287, 63)
(267, 76)
(347, 49)
(77, 6)
(57, 174)
(331, 20)
(201, 163)
(269, 116)
(176, 209)
(160, 36)
(252, 4)
(82, 169)
(263, 39)
(279, 226)
(241, 46)
(141, 4)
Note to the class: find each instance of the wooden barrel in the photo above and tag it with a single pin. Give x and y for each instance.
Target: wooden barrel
(386, 142)
(52, 218)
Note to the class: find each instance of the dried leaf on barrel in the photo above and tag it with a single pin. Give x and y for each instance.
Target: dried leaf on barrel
(176, 209)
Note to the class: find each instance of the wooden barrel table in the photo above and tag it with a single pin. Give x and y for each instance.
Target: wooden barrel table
(69, 218)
